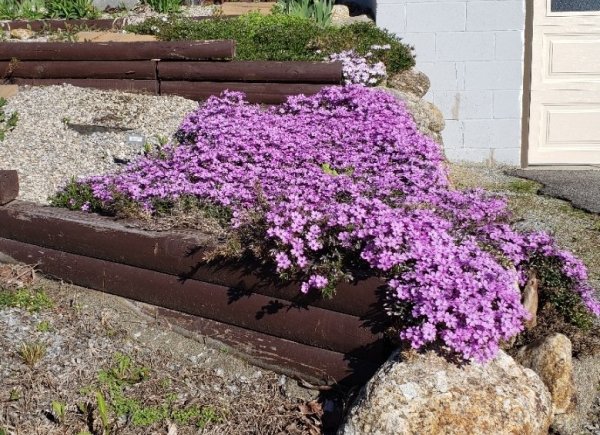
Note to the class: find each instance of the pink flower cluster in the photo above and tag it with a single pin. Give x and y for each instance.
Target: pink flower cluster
(357, 69)
(344, 180)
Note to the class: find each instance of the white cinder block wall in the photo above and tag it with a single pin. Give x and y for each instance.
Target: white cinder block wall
(472, 51)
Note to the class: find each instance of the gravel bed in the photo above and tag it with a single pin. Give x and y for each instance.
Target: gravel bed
(65, 131)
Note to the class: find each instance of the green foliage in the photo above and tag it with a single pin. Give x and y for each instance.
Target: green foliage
(164, 6)
(22, 9)
(285, 37)
(74, 196)
(27, 299)
(59, 410)
(361, 37)
(123, 371)
(120, 377)
(102, 411)
(43, 326)
(523, 186)
(318, 10)
(7, 123)
(555, 289)
(14, 395)
(71, 9)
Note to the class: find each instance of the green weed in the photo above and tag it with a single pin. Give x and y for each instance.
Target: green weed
(59, 410)
(103, 411)
(555, 289)
(27, 299)
(164, 6)
(14, 395)
(522, 186)
(43, 326)
(112, 399)
(7, 122)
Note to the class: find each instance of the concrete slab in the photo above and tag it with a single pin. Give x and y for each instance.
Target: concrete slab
(7, 91)
(113, 37)
(580, 187)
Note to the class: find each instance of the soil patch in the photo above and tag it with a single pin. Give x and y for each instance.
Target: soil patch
(64, 354)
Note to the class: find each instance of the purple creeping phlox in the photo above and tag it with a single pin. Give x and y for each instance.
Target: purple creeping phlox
(358, 69)
(344, 179)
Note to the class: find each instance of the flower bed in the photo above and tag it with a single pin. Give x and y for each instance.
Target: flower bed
(325, 186)
(240, 303)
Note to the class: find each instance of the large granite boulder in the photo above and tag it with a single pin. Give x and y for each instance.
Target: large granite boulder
(427, 116)
(551, 359)
(426, 394)
(410, 81)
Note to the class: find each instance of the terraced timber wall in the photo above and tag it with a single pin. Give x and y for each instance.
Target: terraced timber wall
(192, 69)
(96, 24)
(241, 304)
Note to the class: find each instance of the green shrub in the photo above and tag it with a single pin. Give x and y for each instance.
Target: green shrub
(164, 6)
(555, 290)
(71, 9)
(24, 9)
(285, 37)
(318, 10)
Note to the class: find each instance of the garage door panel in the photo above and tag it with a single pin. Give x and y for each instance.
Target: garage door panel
(572, 127)
(565, 128)
(573, 57)
(564, 116)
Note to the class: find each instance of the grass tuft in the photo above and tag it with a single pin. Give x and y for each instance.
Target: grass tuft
(32, 353)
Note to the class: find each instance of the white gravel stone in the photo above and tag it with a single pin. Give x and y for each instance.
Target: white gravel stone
(65, 131)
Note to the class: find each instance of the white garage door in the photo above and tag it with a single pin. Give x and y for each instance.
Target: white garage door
(564, 126)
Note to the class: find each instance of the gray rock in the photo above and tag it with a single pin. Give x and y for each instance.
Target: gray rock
(21, 34)
(340, 12)
(410, 82)
(551, 359)
(101, 5)
(427, 116)
(426, 394)
(350, 20)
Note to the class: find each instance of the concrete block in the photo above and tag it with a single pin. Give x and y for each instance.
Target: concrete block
(507, 156)
(465, 104)
(509, 45)
(476, 155)
(444, 76)
(495, 15)
(493, 75)
(506, 133)
(392, 16)
(458, 46)
(452, 134)
(9, 186)
(478, 133)
(508, 104)
(435, 17)
(424, 44)
(492, 133)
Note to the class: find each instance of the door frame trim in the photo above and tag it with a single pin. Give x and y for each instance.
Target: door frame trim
(526, 93)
